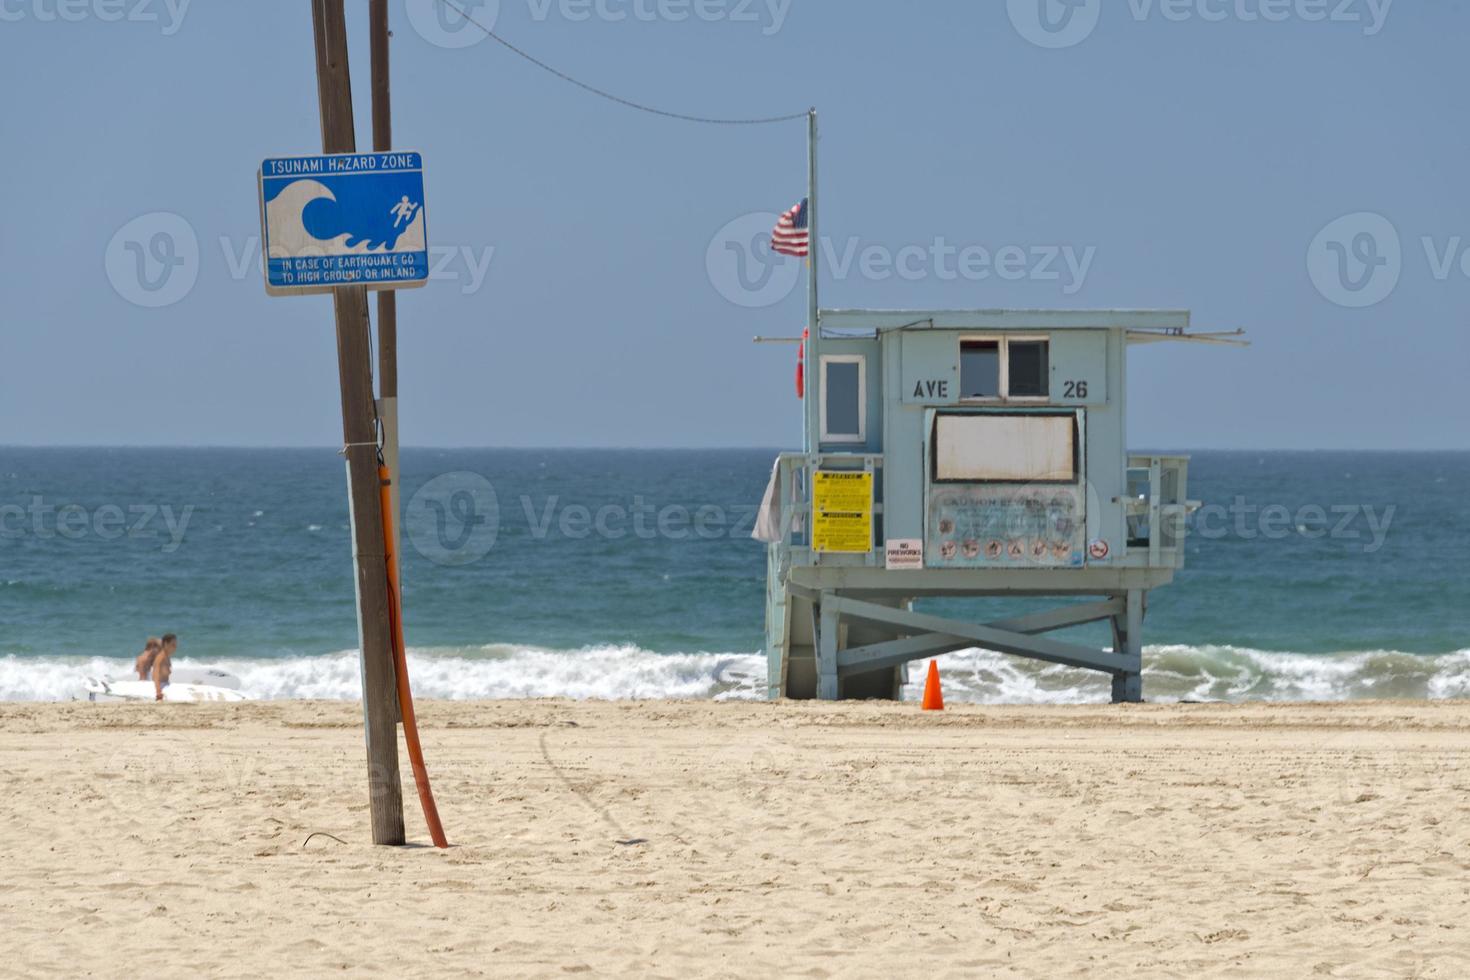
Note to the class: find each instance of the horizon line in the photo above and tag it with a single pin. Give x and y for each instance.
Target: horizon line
(335, 449)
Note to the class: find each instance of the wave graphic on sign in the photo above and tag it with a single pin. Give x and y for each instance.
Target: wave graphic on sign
(301, 202)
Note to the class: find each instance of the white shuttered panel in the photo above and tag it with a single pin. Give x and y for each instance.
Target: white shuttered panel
(1006, 448)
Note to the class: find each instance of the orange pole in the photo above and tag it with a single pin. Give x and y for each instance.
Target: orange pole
(400, 663)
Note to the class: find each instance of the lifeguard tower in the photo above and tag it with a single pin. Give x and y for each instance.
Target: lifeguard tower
(978, 453)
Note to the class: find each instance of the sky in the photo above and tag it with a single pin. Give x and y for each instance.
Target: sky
(1294, 167)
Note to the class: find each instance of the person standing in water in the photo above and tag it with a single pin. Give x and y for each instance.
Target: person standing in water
(144, 664)
(162, 664)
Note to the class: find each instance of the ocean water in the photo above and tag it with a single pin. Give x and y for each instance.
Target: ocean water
(631, 574)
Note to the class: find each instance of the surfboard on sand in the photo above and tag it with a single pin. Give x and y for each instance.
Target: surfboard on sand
(212, 676)
(185, 684)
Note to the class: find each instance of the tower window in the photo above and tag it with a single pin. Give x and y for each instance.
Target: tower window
(1027, 368)
(1000, 368)
(844, 398)
(980, 369)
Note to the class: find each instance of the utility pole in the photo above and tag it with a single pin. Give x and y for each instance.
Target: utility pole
(387, 298)
(360, 445)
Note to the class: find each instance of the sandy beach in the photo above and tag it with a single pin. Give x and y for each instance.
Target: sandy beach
(697, 838)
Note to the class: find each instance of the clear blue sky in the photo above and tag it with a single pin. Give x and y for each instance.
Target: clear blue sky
(1198, 148)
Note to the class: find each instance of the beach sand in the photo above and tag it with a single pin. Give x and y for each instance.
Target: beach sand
(737, 839)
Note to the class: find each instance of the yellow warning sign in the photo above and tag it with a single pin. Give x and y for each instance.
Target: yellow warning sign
(842, 512)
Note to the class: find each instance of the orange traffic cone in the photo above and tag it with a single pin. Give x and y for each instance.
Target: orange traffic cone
(933, 696)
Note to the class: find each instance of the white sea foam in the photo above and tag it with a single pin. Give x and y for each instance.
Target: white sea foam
(495, 671)
(1210, 673)
(1171, 673)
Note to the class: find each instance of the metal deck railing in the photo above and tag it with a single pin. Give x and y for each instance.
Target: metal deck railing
(1156, 509)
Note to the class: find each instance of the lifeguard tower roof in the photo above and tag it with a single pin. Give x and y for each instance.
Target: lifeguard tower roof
(882, 320)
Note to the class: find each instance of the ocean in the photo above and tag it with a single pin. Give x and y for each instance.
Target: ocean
(631, 574)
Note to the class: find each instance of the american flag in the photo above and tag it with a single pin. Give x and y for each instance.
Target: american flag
(792, 235)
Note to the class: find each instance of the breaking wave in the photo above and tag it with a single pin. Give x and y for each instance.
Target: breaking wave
(1171, 673)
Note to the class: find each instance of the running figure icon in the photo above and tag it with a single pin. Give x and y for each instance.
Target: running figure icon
(403, 211)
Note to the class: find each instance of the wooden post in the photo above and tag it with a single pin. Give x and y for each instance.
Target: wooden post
(383, 142)
(1128, 641)
(360, 441)
(387, 298)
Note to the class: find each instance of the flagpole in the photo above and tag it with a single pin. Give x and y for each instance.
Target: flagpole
(812, 435)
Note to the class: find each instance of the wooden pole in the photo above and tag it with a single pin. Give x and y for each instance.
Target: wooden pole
(387, 298)
(383, 142)
(360, 442)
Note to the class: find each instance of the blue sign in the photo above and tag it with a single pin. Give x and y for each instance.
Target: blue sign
(349, 219)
